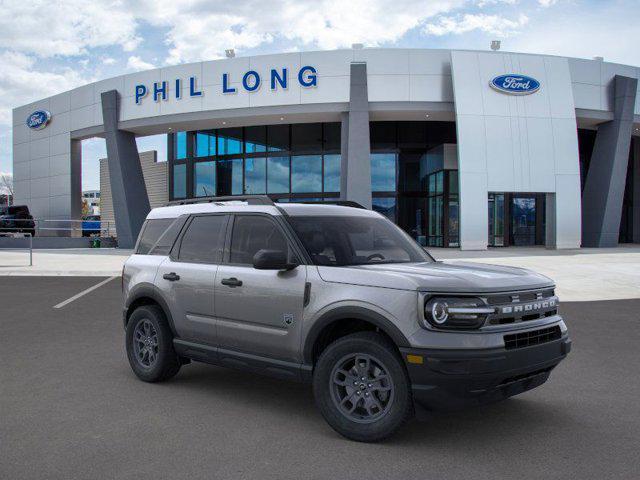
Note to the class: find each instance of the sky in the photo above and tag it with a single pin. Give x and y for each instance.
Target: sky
(49, 47)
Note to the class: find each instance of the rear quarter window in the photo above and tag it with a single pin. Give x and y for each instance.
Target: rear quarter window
(151, 233)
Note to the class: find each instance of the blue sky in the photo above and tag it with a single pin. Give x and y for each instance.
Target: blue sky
(50, 47)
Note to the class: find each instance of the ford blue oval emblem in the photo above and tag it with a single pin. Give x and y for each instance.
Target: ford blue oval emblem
(38, 119)
(515, 84)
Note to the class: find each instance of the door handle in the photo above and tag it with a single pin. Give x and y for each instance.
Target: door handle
(172, 277)
(231, 282)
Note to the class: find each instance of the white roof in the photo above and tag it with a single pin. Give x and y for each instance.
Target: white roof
(175, 211)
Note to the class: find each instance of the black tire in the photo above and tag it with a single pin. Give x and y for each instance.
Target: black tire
(166, 362)
(331, 388)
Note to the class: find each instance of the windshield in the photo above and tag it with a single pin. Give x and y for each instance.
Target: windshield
(357, 240)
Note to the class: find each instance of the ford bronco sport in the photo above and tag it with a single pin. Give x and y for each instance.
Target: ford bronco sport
(338, 296)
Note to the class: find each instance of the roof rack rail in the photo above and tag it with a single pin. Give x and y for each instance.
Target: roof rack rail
(342, 203)
(250, 199)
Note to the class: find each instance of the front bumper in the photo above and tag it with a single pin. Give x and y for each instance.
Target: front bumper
(453, 379)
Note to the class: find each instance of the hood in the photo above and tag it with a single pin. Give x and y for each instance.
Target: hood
(437, 277)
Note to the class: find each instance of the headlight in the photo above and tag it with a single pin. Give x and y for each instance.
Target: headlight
(455, 312)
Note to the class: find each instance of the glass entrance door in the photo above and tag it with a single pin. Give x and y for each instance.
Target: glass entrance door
(496, 220)
(523, 220)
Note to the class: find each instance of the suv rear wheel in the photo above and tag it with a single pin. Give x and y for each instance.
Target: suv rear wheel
(150, 345)
(361, 387)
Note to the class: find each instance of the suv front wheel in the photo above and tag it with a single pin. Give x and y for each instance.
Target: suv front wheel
(362, 388)
(150, 345)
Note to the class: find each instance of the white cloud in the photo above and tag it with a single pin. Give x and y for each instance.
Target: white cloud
(204, 30)
(491, 24)
(136, 63)
(17, 85)
(547, 3)
(46, 28)
(109, 60)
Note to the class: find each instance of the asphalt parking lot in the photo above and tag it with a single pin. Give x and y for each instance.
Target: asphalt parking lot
(71, 408)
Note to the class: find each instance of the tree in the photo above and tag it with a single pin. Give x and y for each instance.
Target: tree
(6, 188)
(86, 209)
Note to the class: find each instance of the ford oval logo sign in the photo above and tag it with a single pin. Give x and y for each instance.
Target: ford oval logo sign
(515, 84)
(38, 119)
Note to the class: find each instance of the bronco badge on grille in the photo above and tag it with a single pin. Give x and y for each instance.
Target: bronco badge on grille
(529, 307)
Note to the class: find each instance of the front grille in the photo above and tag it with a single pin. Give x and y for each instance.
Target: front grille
(534, 337)
(522, 296)
(522, 306)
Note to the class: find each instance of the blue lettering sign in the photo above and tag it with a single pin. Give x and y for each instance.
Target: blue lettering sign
(310, 80)
(515, 84)
(275, 77)
(192, 88)
(141, 92)
(225, 84)
(159, 90)
(251, 86)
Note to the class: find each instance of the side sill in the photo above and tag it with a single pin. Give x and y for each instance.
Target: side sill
(221, 357)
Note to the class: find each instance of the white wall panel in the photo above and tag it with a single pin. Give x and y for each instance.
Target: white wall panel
(430, 88)
(20, 133)
(329, 64)
(81, 97)
(381, 61)
(39, 168)
(510, 139)
(331, 89)
(429, 62)
(388, 88)
(39, 149)
(212, 71)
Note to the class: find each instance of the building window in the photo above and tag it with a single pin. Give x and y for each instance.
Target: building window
(383, 172)
(230, 141)
(278, 172)
(255, 176)
(255, 139)
(181, 145)
(230, 177)
(205, 144)
(306, 173)
(180, 180)
(284, 161)
(332, 173)
(204, 179)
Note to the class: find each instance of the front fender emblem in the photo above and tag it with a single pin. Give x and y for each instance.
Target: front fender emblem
(287, 318)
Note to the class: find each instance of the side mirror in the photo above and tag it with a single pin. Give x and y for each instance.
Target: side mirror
(272, 260)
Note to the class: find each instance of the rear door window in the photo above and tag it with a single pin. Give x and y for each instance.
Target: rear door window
(151, 232)
(203, 240)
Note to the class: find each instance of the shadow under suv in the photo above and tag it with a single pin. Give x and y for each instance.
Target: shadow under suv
(339, 297)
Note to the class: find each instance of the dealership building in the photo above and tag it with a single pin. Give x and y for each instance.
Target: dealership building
(464, 149)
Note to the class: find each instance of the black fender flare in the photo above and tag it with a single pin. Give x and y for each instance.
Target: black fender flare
(351, 312)
(148, 290)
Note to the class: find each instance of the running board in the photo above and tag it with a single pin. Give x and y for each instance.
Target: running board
(243, 361)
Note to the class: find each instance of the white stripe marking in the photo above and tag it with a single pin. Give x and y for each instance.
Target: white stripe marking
(83, 293)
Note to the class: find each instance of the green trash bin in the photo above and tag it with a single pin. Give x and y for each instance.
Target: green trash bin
(95, 243)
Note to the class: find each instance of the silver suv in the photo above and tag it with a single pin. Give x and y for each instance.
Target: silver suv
(340, 297)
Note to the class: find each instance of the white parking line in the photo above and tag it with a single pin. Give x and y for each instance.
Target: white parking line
(84, 292)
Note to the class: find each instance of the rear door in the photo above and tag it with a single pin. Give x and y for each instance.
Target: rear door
(186, 278)
(259, 311)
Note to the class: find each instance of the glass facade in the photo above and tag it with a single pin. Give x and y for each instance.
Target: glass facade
(287, 162)
(411, 185)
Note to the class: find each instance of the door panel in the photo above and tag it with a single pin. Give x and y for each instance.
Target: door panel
(259, 311)
(263, 315)
(190, 298)
(187, 278)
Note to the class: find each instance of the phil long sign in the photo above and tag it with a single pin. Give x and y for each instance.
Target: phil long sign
(515, 84)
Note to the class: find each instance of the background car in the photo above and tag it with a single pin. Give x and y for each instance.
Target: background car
(91, 225)
(17, 219)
